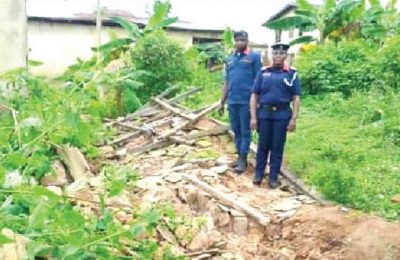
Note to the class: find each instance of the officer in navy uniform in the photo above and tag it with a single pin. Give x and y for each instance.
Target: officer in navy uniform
(274, 105)
(241, 69)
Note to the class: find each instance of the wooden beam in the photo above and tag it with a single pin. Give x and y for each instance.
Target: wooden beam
(172, 100)
(174, 140)
(227, 199)
(172, 109)
(144, 108)
(184, 124)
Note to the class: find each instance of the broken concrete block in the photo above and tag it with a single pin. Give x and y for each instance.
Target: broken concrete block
(201, 241)
(202, 201)
(173, 178)
(287, 205)
(240, 225)
(191, 199)
(219, 169)
(223, 219)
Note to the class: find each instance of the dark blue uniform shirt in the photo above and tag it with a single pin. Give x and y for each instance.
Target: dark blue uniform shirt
(276, 86)
(241, 69)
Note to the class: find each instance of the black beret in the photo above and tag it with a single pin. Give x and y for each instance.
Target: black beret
(280, 46)
(242, 34)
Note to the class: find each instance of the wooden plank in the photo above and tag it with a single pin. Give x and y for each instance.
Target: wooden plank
(229, 200)
(174, 140)
(185, 95)
(184, 124)
(135, 134)
(164, 94)
(150, 147)
(142, 109)
(172, 100)
(75, 161)
(172, 109)
(124, 138)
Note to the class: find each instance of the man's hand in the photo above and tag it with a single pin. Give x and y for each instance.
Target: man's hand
(292, 125)
(221, 109)
(253, 124)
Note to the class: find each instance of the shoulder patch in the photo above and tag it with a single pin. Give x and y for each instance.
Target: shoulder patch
(264, 68)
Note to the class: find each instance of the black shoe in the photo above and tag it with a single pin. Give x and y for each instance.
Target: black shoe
(241, 165)
(257, 182)
(235, 163)
(273, 184)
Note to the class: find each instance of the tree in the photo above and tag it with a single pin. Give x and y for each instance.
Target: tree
(379, 22)
(158, 20)
(326, 18)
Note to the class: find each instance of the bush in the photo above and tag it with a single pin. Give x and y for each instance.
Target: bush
(330, 68)
(165, 61)
(349, 149)
(388, 62)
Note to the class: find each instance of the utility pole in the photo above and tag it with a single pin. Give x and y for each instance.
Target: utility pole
(98, 29)
(100, 88)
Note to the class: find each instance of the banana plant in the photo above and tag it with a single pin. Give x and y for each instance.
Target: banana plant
(157, 21)
(326, 18)
(380, 21)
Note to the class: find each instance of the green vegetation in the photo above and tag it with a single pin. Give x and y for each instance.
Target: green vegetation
(348, 140)
(38, 115)
(347, 143)
(164, 61)
(338, 20)
(349, 149)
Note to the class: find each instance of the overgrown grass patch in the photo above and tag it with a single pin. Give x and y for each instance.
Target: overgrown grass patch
(348, 149)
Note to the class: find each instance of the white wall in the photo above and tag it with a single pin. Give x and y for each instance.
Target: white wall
(58, 45)
(12, 34)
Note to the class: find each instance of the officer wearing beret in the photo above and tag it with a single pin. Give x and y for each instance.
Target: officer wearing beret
(241, 69)
(274, 107)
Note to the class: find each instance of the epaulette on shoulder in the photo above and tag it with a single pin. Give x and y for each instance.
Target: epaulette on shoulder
(264, 68)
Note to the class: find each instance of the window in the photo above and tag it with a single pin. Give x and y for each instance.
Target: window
(198, 40)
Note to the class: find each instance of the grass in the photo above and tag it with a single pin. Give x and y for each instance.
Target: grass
(350, 150)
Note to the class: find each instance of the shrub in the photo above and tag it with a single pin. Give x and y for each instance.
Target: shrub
(344, 67)
(164, 59)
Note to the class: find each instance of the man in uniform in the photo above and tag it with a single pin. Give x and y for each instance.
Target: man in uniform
(275, 88)
(241, 69)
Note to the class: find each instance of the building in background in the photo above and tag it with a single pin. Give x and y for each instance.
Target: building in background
(13, 42)
(289, 35)
(59, 41)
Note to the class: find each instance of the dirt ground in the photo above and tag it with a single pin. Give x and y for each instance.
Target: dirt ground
(299, 227)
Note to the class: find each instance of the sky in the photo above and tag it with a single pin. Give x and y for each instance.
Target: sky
(237, 14)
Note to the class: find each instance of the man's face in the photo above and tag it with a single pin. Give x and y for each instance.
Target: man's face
(241, 43)
(279, 57)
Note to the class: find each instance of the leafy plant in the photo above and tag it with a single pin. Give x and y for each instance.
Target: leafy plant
(157, 21)
(164, 59)
(335, 20)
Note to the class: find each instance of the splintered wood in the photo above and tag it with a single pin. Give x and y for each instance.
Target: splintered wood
(162, 123)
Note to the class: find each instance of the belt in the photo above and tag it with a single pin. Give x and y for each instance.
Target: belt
(275, 108)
